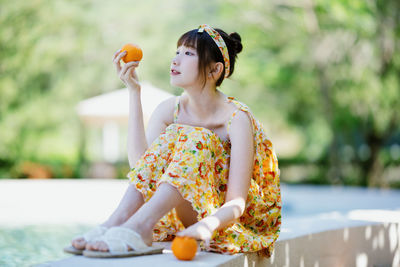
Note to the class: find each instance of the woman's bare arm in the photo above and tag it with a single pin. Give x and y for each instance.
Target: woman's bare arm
(137, 140)
(240, 171)
(136, 135)
(162, 116)
(137, 143)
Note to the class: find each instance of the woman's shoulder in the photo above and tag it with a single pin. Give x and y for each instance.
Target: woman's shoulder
(165, 110)
(244, 116)
(241, 111)
(239, 105)
(240, 120)
(168, 103)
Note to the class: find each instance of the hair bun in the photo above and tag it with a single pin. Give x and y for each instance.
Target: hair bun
(238, 42)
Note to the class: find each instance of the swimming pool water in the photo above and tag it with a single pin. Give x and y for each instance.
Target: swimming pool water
(31, 245)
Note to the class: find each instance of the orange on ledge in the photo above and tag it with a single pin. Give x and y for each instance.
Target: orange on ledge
(184, 248)
(133, 53)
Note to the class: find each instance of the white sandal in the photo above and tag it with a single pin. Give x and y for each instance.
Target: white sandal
(91, 235)
(118, 239)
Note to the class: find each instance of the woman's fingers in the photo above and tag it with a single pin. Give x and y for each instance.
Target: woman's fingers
(199, 231)
(117, 59)
(134, 75)
(116, 54)
(128, 65)
(130, 76)
(127, 70)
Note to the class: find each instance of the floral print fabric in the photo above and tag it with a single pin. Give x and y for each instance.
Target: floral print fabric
(196, 161)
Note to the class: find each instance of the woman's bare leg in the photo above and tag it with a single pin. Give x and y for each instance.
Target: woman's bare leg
(186, 213)
(129, 204)
(143, 221)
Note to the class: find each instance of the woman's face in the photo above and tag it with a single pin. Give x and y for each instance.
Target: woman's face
(184, 67)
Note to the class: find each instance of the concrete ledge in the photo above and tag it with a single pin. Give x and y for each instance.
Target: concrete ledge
(167, 259)
(368, 245)
(361, 246)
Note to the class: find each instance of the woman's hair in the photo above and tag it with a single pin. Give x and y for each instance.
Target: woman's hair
(208, 51)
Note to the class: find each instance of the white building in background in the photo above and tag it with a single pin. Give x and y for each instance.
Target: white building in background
(110, 112)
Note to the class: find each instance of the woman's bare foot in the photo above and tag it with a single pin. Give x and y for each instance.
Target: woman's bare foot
(143, 229)
(130, 203)
(79, 243)
(142, 222)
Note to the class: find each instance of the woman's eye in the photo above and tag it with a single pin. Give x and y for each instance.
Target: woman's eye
(177, 52)
(188, 53)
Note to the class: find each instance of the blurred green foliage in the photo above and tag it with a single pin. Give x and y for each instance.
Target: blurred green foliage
(327, 71)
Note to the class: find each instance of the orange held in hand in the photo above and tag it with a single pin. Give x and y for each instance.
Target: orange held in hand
(184, 248)
(133, 53)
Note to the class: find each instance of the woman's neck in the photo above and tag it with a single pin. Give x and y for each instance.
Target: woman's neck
(205, 102)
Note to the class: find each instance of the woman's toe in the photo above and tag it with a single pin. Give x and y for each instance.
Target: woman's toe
(78, 243)
(103, 247)
(81, 244)
(96, 246)
(89, 246)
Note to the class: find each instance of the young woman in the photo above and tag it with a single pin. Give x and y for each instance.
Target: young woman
(204, 168)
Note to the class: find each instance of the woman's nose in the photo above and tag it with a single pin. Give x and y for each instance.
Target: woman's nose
(175, 59)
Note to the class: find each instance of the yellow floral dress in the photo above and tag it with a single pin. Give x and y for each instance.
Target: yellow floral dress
(196, 161)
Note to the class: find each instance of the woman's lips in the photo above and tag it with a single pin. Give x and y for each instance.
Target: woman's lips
(175, 72)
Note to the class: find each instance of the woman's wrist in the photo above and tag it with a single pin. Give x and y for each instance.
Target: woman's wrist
(211, 222)
(134, 88)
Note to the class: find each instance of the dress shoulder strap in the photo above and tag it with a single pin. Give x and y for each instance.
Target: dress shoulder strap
(176, 110)
(239, 106)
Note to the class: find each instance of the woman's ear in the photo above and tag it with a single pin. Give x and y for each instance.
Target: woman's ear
(216, 71)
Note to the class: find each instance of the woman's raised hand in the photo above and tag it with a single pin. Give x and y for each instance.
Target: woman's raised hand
(127, 73)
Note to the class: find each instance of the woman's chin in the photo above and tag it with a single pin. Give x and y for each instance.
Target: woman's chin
(175, 83)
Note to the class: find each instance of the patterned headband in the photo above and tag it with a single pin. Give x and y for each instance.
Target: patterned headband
(219, 42)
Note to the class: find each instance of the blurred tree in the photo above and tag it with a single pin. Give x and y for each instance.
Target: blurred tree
(333, 68)
(55, 53)
(329, 70)
(41, 43)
